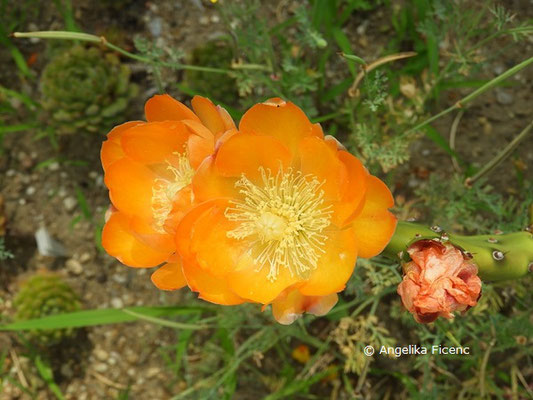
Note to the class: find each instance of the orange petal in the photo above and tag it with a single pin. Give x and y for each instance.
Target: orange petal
(246, 153)
(353, 198)
(208, 183)
(226, 118)
(169, 277)
(335, 266)
(130, 187)
(291, 305)
(111, 148)
(145, 232)
(210, 288)
(375, 225)
(319, 160)
(185, 229)
(249, 281)
(317, 131)
(165, 108)
(121, 242)
(198, 129)
(213, 249)
(155, 141)
(211, 116)
(198, 149)
(282, 120)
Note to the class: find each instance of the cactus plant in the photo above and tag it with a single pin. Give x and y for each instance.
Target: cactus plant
(42, 295)
(85, 89)
(498, 256)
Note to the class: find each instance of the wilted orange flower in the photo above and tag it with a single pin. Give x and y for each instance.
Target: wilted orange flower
(438, 281)
(148, 169)
(281, 216)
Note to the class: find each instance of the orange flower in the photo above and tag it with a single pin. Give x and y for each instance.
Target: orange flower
(438, 281)
(282, 214)
(148, 169)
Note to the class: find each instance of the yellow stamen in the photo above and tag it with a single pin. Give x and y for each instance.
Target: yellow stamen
(164, 191)
(283, 217)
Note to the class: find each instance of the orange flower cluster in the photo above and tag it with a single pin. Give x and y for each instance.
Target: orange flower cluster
(438, 281)
(271, 213)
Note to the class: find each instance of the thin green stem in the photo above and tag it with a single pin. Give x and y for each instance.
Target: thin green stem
(502, 155)
(520, 30)
(86, 37)
(489, 85)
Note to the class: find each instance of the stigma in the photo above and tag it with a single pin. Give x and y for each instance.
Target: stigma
(283, 217)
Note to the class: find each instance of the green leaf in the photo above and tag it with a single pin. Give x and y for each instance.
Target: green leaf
(351, 57)
(103, 316)
(344, 43)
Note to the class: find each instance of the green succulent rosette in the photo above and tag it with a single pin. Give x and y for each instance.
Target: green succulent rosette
(42, 295)
(85, 90)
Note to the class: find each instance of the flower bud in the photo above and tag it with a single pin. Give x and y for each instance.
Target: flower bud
(438, 281)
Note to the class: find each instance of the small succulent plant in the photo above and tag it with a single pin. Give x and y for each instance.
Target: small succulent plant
(85, 89)
(42, 295)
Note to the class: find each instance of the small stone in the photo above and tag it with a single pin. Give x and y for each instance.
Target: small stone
(53, 166)
(504, 98)
(93, 175)
(120, 279)
(101, 354)
(85, 257)
(117, 302)
(132, 358)
(153, 371)
(204, 20)
(155, 26)
(66, 371)
(101, 367)
(10, 172)
(70, 203)
(30, 190)
(74, 266)
(22, 202)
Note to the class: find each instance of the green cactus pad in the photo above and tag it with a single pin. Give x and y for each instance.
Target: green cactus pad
(498, 257)
(85, 90)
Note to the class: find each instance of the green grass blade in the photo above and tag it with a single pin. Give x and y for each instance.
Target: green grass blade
(46, 373)
(17, 56)
(103, 316)
(437, 138)
(16, 128)
(165, 322)
(84, 206)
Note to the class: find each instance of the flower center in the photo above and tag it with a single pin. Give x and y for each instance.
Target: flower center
(165, 190)
(283, 217)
